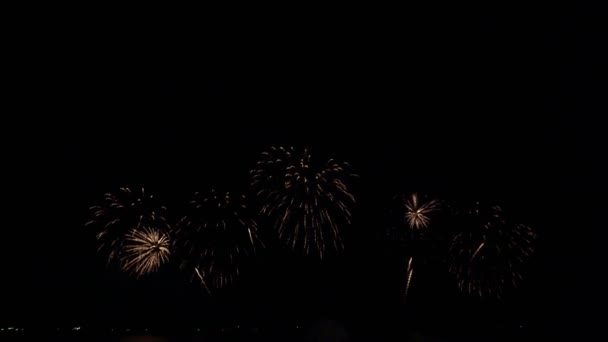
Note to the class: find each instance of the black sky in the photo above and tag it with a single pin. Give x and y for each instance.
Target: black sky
(501, 105)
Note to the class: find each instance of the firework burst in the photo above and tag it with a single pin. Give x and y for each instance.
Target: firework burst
(123, 213)
(417, 211)
(308, 206)
(214, 237)
(144, 251)
(488, 256)
(411, 218)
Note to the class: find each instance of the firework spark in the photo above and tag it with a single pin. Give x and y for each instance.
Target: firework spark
(214, 237)
(487, 258)
(417, 211)
(145, 250)
(120, 214)
(307, 205)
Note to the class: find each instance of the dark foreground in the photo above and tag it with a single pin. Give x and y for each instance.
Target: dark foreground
(414, 337)
(325, 331)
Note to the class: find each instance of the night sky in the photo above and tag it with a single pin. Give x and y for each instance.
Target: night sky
(501, 106)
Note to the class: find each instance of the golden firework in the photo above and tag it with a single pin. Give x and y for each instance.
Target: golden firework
(488, 256)
(215, 236)
(417, 211)
(145, 250)
(120, 214)
(308, 204)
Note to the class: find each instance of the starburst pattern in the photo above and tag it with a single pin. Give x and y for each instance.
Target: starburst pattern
(308, 205)
(145, 250)
(417, 211)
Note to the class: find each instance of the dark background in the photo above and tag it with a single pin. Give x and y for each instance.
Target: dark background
(496, 103)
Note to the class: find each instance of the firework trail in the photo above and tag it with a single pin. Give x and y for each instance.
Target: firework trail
(121, 215)
(215, 237)
(488, 256)
(145, 250)
(307, 205)
(410, 273)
